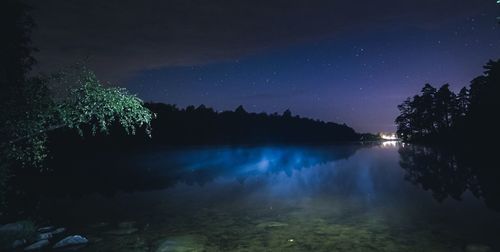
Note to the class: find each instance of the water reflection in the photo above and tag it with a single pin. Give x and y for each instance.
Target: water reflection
(450, 173)
(323, 198)
(390, 143)
(110, 173)
(446, 173)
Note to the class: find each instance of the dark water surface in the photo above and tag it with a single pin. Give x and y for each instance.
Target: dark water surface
(381, 197)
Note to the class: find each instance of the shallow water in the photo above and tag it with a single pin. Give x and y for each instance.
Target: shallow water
(385, 197)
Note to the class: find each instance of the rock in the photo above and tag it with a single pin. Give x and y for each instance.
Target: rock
(58, 231)
(17, 228)
(19, 243)
(46, 229)
(37, 245)
(182, 243)
(123, 231)
(478, 248)
(43, 236)
(12, 227)
(74, 240)
(271, 224)
(9, 233)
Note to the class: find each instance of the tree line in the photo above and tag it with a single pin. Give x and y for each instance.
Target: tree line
(440, 115)
(204, 125)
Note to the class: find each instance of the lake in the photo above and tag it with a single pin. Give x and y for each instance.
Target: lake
(352, 197)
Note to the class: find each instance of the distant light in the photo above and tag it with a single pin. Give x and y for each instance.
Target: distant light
(389, 136)
(389, 143)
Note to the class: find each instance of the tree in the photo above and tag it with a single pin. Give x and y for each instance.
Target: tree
(405, 120)
(443, 115)
(240, 110)
(88, 104)
(16, 49)
(463, 102)
(484, 90)
(445, 103)
(287, 113)
(426, 109)
(15, 62)
(190, 108)
(29, 109)
(484, 102)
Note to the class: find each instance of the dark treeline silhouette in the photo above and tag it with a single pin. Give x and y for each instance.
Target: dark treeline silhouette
(439, 115)
(450, 173)
(202, 125)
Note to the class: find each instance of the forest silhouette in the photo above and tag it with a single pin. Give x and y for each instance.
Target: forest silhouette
(201, 125)
(440, 115)
(204, 125)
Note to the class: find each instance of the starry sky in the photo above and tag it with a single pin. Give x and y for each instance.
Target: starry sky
(344, 61)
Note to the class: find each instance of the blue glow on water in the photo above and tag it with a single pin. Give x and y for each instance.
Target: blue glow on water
(328, 198)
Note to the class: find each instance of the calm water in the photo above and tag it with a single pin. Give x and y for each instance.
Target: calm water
(385, 197)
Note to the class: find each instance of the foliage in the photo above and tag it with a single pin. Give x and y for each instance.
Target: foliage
(440, 114)
(28, 117)
(92, 103)
(88, 104)
(29, 109)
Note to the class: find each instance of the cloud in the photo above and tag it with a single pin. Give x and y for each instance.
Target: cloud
(122, 37)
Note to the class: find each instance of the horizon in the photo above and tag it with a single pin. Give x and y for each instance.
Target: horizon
(335, 62)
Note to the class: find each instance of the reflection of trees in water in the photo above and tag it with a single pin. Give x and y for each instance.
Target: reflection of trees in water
(164, 169)
(154, 170)
(448, 173)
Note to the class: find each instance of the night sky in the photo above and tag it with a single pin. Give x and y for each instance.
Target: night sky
(344, 61)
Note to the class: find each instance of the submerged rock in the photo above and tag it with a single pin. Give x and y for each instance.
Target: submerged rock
(182, 243)
(271, 224)
(43, 236)
(12, 227)
(478, 248)
(58, 231)
(37, 245)
(74, 240)
(19, 243)
(46, 229)
(12, 232)
(16, 228)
